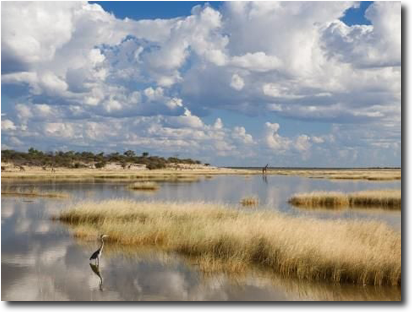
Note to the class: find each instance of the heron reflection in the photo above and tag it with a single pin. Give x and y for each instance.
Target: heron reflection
(96, 270)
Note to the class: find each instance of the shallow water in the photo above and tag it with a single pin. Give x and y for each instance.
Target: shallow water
(42, 261)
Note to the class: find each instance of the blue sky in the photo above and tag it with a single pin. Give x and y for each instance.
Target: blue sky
(152, 9)
(290, 84)
(356, 16)
(171, 9)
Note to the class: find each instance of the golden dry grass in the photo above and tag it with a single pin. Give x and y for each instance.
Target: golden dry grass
(363, 252)
(145, 186)
(31, 192)
(388, 199)
(99, 175)
(249, 201)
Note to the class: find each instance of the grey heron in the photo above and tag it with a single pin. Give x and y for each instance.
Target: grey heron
(96, 255)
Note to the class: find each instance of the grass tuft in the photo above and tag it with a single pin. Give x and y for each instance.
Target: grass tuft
(249, 201)
(389, 199)
(362, 252)
(146, 186)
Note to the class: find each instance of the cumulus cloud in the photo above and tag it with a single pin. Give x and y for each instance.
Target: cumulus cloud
(376, 45)
(237, 82)
(301, 144)
(7, 125)
(290, 60)
(274, 140)
(239, 133)
(259, 62)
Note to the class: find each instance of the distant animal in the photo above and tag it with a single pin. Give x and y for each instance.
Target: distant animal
(53, 170)
(21, 168)
(97, 254)
(265, 169)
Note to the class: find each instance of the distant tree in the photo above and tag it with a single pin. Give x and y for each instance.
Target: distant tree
(34, 152)
(129, 153)
(101, 164)
(73, 159)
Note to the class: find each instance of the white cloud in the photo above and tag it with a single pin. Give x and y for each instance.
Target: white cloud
(317, 140)
(239, 133)
(259, 62)
(41, 34)
(378, 45)
(218, 124)
(62, 130)
(96, 57)
(237, 82)
(274, 140)
(186, 120)
(51, 84)
(286, 145)
(303, 143)
(7, 125)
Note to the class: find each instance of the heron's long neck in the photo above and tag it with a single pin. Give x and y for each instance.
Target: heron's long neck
(102, 245)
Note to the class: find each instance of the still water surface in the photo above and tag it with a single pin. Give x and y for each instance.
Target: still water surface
(42, 261)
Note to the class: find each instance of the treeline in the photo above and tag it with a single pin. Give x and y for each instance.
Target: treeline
(73, 159)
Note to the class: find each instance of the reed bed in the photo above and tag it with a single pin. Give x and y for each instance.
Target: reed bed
(363, 252)
(249, 201)
(145, 186)
(31, 192)
(388, 199)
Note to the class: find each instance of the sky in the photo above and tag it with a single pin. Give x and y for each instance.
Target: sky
(300, 84)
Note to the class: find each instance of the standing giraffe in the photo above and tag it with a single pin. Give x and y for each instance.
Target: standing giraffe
(265, 169)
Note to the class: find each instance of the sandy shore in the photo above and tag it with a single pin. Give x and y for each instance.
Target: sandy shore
(37, 173)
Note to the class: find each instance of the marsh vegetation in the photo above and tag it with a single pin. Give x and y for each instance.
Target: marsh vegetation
(145, 186)
(249, 201)
(387, 198)
(338, 251)
(31, 192)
